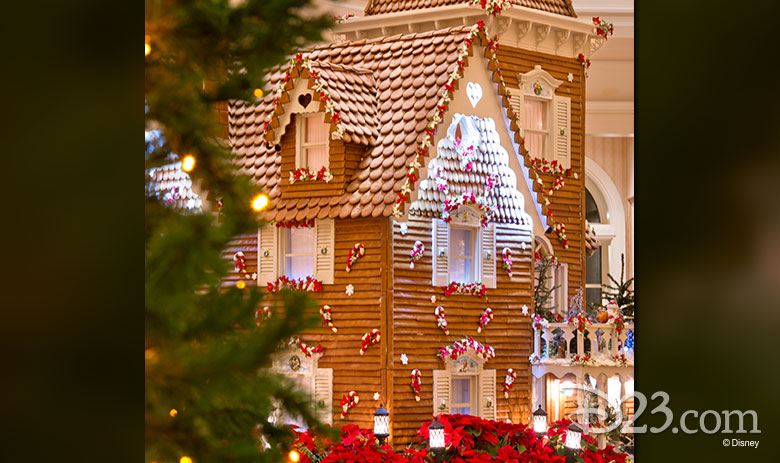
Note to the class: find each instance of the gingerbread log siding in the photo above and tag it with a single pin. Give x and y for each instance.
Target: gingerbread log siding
(567, 203)
(352, 315)
(415, 332)
(248, 245)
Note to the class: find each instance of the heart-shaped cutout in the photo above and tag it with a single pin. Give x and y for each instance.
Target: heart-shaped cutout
(304, 100)
(474, 92)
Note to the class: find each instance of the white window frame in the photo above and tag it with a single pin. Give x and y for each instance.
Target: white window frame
(476, 251)
(478, 395)
(547, 123)
(283, 255)
(540, 85)
(301, 159)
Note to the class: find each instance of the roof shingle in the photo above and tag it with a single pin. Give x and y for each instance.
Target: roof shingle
(407, 90)
(374, 7)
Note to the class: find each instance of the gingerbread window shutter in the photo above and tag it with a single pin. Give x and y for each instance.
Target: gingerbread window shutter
(267, 249)
(441, 392)
(323, 394)
(441, 241)
(487, 394)
(488, 252)
(516, 102)
(324, 231)
(562, 130)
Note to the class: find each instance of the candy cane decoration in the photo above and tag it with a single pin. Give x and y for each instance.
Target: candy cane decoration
(357, 251)
(417, 252)
(506, 254)
(509, 380)
(369, 339)
(261, 315)
(484, 319)
(348, 401)
(327, 318)
(416, 383)
(239, 261)
(441, 322)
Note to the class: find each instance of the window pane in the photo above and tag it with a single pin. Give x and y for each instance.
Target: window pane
(461, 395)
(316, 157)
(535, 113)
(462, 270)
(593, 295)
(316, 130)
(592, 214)
(460, 242)
(299, 240)
(534, 143)
(593, 268)
(299, 266)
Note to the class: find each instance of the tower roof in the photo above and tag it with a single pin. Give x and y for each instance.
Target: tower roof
(374, 7)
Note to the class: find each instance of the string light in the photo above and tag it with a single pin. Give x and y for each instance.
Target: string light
(185, 459)
(147, 47)
(258, 93)
(294, 455)
(260, 202)
(188, 163)
(173, 412)
(240, 284)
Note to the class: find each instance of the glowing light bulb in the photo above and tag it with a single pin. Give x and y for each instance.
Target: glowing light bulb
(258, 93)
(294, 455)
(260, 202)
(185, 459)
(173, 412)
(147, 46)
(188, 163)
(240, 284)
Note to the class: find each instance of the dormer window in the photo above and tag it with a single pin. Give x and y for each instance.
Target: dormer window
(312, 141)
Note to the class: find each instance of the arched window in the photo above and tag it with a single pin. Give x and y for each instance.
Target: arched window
(594, 265)
(592, 213)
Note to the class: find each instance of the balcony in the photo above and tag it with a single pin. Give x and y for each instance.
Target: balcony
(587, 344)
(600, 355)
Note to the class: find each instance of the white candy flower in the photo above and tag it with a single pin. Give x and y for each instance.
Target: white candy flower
(525, 309)
(350, 290)
(376, 396)
(570, 77)
(404, 359)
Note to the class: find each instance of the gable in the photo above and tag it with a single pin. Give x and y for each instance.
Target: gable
(498, 155)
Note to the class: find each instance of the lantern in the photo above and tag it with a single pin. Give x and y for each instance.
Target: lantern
(381, 424)
(573, 436)
(436, 437)
(540, 421)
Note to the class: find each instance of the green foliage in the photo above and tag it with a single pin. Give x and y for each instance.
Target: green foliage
(204, 351)
(621, 291)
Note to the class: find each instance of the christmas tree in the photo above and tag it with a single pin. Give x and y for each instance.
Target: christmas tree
(544, 265)
(620, 291)
(208, 398)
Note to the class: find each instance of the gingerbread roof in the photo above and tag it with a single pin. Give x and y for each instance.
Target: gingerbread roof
(409, 72)
(562, 7)
(168, 183)
(491, 160)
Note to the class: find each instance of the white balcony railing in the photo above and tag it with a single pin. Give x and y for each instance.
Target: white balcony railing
(599, 344)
